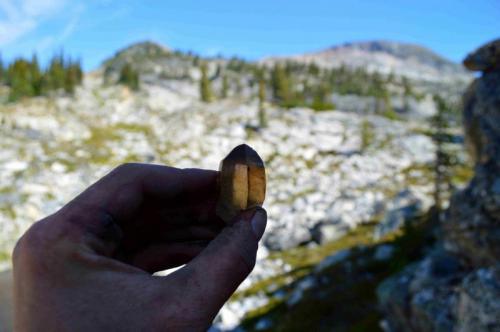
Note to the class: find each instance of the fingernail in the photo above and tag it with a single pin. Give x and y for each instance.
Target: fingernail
(259, 221)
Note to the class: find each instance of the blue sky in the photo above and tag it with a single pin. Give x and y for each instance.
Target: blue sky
(95, 29)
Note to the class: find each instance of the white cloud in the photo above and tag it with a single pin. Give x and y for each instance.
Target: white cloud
(11, 31)
(37, 8)
(20, 17)
(49, 42)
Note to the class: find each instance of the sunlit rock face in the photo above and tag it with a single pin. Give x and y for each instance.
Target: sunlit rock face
(457, 286)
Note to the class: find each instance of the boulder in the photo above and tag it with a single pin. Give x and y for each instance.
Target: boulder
(457, 286)
(475, 211)
(421, 297)
(325, 232)
(404, 207)
(478, 301)
(286, 238)
(485, 58)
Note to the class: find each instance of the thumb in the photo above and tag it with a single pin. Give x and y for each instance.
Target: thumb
(221, 267)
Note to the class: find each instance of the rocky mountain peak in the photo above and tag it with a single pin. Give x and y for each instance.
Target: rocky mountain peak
(143, 49)
(150, 59)
(404, 59)
(403, 51)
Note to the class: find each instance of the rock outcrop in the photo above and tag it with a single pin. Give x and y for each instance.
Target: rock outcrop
(457, 286)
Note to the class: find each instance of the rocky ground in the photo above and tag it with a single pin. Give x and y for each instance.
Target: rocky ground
(329, 172)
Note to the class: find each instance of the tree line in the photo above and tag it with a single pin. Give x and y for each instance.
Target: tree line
(293, 84)
(26, 78)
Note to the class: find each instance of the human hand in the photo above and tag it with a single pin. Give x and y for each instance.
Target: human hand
(88, 267)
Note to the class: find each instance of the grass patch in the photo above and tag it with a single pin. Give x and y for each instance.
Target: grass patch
(301, 257)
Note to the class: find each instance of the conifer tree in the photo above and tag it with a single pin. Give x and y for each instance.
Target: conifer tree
(205, 85)
(443, 161)
(262, 100)
(79, 71)
(225, 87)
(384, 106)
(2, 71)
(313, 70)
(280, 84)
(407, 93)
(19, 80)
(129, 77)
(367, 134)
(25, 77)
(320, 98)
(56, 74)
(407, 88)
(35, 76)
(70, 77)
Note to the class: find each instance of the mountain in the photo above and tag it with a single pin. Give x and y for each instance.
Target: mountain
(410, 60)
(386, 57)
(151, 60)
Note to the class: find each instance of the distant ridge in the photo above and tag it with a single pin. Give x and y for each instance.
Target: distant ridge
(411, 60)
(387, 57)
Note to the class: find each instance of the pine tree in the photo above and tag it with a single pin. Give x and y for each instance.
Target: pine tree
(384, 106)
(262, 100)
(36, 76)
(56, 73)
(225, 87)
(313, 70)
(129, 77)
(280, 84)
(70, 77)
(19, 80)
(443, 160)
(2, 71)
(320, 98)
(79, 71)
(367, 134)
(205, 85)
(407, 88)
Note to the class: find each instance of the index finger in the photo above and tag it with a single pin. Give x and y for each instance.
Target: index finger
(121, 192)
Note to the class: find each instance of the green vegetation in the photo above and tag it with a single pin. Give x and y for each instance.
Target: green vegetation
(129, 77)
(4, 256)
(343, 297)
(367, 134)
(262, 100)
(445, 159)
(2, 70)
(289, 83)
(299, 85)
(25, 78)
(206, 93)
(225, 87)
(281, 85)
(320, 100)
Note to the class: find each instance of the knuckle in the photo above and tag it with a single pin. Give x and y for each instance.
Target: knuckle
(126, 168)
(40, 245)
(32, 244)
